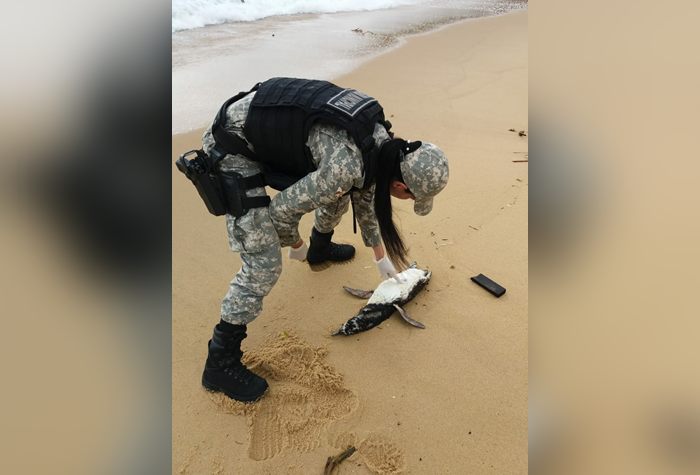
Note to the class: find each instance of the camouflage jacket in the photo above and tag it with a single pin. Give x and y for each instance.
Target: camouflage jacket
(340, 168)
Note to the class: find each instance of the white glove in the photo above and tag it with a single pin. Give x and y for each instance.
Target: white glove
(299, 253)
(387, 270)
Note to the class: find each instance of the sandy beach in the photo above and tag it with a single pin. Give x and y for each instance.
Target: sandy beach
(448, 399)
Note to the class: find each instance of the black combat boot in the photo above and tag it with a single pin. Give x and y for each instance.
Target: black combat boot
(224, 371)
(322, 249)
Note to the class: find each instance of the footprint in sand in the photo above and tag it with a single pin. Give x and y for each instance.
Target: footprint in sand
(305, 396)
(380, 455)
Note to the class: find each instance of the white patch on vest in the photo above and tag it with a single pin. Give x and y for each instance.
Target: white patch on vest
(340, 192)
(350, 101)
(390, 291)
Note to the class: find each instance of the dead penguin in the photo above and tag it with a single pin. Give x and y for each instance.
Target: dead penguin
(385, 300)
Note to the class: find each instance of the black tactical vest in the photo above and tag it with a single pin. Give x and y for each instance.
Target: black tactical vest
(281, 115)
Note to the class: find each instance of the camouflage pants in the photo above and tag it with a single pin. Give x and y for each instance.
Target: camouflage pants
(255, 238)
(328, 217)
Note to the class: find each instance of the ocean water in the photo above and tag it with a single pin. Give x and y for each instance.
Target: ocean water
(188, 14)
(221, 47)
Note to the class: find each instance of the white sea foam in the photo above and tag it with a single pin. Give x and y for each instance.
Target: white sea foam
(211, 64)
(188, 14)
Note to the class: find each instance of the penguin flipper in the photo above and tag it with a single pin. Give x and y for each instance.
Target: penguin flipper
(363, 294)
(405, 316)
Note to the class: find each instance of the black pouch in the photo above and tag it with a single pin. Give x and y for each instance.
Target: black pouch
(208, 184)
(233, 190)
(222, 192)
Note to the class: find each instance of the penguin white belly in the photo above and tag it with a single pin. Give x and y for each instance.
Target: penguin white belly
(391, 292)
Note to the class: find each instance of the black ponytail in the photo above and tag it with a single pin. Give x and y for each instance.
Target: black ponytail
(388, 170)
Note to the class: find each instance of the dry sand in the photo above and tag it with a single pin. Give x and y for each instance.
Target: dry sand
(448, 399)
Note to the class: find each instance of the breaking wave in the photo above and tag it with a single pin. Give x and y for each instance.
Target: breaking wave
(188, 14)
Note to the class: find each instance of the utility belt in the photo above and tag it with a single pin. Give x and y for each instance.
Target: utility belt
(225, 192)
(222, 192)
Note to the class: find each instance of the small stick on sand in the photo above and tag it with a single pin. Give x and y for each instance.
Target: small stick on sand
(519, 161)
(333, 462)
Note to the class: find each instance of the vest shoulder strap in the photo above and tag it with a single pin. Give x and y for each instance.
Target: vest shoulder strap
(227, 142)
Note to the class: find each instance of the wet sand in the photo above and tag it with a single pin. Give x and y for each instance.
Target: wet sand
(208, 63)
(448, 399)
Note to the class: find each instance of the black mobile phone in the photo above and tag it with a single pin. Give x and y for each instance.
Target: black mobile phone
(489, 285)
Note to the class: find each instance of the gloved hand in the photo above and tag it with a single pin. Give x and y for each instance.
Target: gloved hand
(387, 270)
(299, 253)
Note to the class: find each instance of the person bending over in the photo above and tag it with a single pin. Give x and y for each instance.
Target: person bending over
(325, 147)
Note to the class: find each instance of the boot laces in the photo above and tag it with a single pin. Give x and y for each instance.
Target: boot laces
(231, 363)
(336, 249)
(240, 372)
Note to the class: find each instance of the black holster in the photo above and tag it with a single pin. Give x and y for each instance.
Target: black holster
(222, 192)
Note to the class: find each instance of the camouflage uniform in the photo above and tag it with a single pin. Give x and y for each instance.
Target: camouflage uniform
(260, 234)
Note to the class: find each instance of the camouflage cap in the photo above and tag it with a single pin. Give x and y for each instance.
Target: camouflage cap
(425, 172)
